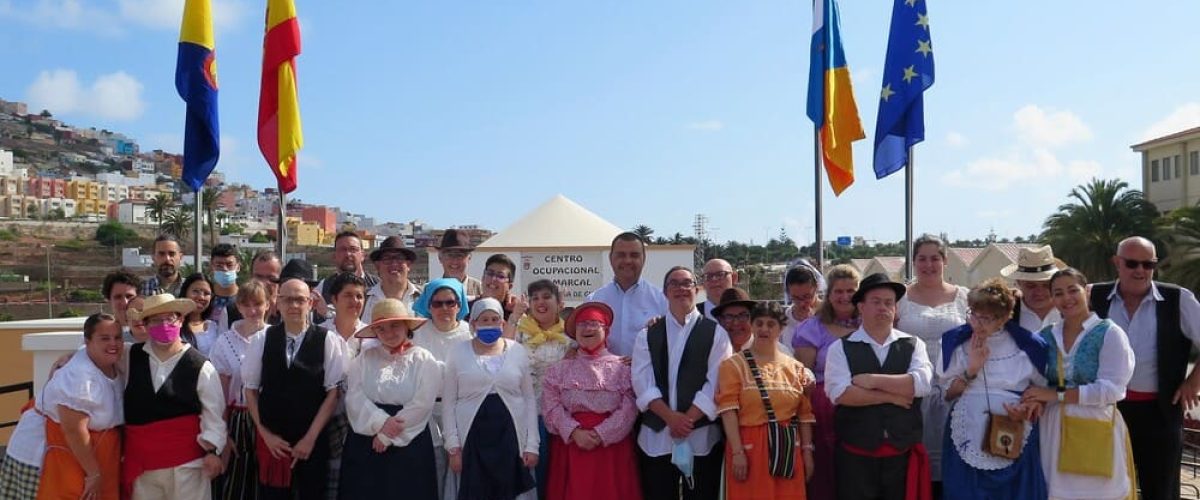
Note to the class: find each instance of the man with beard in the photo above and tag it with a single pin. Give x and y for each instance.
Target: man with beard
(166, 279)
(634, 300)
(348, 256)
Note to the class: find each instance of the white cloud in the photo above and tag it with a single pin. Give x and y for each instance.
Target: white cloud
(167, 14)
(956, 140)
(115, 96)
(1184, 117)
(1020, 168)
(1049, 127)
(111, 17)
(63, 14)
(706, 125)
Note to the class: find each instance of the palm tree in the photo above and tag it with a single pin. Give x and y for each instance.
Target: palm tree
(208, 202)
(177, 221)
(643, 232)
(1085, 231)
(1181, 234)
(158, 207)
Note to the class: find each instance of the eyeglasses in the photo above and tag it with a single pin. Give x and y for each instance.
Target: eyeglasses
(681, 284)
(294, 301)
(392, 259)
(164, 320)
(592, 323)
(985, 318)
(1148, 265)
(443, 304)
(743, 317)
(266, 278)
(493, 275)
(717, 275)
(455, 255)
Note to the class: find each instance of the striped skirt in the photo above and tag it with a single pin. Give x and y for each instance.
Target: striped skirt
(240, 480)
(18, 480)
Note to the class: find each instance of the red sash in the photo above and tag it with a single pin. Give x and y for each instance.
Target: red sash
(273, 472)
(159, 445)
(918, 482)
(1140, 397)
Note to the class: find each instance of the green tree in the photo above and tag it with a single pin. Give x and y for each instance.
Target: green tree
(259, 237)
(177, 222)
(643, 231)
(113, 233)
(158, 207)
(1181, 236)
(1085, 231)
(208, 202)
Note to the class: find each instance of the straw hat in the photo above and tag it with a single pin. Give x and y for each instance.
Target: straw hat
(387, 311)
(1033, 264)
(161, 303)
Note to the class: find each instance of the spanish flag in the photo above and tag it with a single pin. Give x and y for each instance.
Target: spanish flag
(831, 98)
(196, 82)
(279, 135)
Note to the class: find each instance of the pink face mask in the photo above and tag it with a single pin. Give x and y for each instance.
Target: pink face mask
(163, 333)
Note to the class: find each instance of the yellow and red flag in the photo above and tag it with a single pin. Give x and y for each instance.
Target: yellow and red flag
(279, 135)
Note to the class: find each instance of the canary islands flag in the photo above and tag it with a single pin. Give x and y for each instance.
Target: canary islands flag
(196, 82)
(831, 98)
(907, 73)
(279, 134)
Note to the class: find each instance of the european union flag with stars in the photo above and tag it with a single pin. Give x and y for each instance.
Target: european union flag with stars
(907, 72)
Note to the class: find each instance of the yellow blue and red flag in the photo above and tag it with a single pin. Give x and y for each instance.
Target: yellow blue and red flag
(196, 82)
(831, 104)
(907, 73)
(279, 134)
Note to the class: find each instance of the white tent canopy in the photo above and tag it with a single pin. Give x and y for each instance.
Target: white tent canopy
(557, 223)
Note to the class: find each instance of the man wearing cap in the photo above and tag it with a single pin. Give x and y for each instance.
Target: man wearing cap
(1032, 273)
(393, 261)
(1162, 322)
(454, 253)
(675, 363)
(166, 254)
(634, 300)
(291, 374)
(174, 429)
(718, 276)
(876, 377)
(348, 256)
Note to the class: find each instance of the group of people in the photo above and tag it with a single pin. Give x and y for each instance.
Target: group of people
(372, 386)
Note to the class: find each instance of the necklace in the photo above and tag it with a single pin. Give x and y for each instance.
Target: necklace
(852, 323)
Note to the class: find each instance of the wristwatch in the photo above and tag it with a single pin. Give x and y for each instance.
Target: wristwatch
(1062, 394)
(213, 452)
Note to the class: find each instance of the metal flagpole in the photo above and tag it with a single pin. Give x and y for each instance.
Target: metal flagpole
(282, 229)
(199, 246)
(820, 263)
(908, 216)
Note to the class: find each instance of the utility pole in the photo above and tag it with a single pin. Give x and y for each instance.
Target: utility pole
(49, 286)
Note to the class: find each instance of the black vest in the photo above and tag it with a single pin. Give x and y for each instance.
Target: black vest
(175, 398)
(693, 367)
(290, 396)
(1173, 348)
(868, 427)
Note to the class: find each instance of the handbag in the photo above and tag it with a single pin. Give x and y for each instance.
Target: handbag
(1085, 444)
(781, 439)
(1005, 436)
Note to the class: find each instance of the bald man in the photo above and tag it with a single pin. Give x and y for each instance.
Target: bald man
(1163, 323)
(717, 276)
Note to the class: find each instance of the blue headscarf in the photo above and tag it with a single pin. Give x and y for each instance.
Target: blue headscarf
(422, 305)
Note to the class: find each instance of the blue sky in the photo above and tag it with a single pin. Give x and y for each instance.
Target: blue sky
(644, 112)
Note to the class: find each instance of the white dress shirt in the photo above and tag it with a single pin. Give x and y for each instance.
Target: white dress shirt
(659, 443)
(632, 309)
(353, 344)
(412, 379)
(1142, 331)
(227, 356)
(335, 360)
(208, 388)
(708, 310)
(1029, 320)
(466, 384)
(837, 368)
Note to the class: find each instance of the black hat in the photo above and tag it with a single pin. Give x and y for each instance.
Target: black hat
(877, 280)
(733, 297)
(452, 239)
(297, 269)
(393, 244)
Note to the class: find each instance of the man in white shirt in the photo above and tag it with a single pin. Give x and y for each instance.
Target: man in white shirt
(675, 363)
(876, 377)
(634, 301)
(1032, 273)
(718, 276)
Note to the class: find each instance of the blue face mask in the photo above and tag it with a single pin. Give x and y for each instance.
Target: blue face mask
(489, 335)
(682, 458)
(225, 279)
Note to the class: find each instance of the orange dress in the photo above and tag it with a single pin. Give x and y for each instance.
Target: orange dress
(736, 390)
(62, 477)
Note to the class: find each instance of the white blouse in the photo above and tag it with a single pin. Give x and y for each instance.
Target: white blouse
(412, 379)
(929, 323)
(466, 384)
(438, 342)
(207, 338)
(81, 386)
(227, 356)
(353, 344)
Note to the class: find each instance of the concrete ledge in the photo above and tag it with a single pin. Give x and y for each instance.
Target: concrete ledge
(46, 348)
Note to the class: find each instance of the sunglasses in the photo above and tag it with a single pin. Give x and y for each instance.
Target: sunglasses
(440, 304)
(1148, 265)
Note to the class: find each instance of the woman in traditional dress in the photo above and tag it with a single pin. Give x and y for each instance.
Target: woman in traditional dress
(198, 330)
(391, 388)
(490, 417)
(589, 409)
(986, 365)
(83, 407)
(1089, 363)
(541, 331)
(240, 480)
(746, 381)
(836, 318)
(930, 308)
